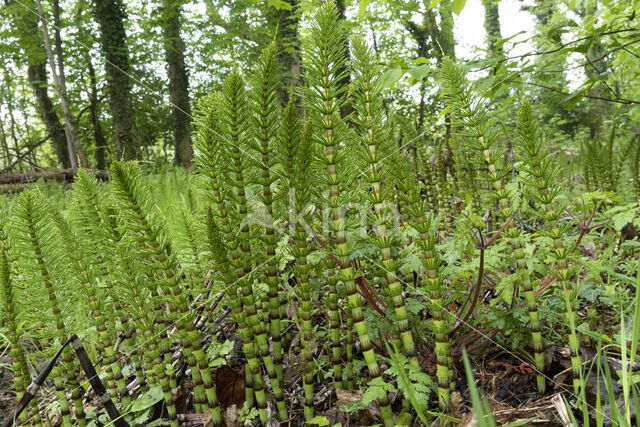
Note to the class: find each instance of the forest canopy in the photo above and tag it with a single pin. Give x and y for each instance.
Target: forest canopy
(130, 72)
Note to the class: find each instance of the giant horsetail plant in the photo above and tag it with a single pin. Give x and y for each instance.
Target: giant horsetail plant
(234, 115)
(115, 379)
(265, 108)
(325, 65)
(296, 150)
(21, 377)
(37, 235)
(83, 271)
(480, 129)
(136, 306)
(374, 141)
(220, 220)
(139, 217)
(415, 213)
(131, 208)
(540, 183)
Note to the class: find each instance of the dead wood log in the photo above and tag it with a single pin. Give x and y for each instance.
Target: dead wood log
(59, 175)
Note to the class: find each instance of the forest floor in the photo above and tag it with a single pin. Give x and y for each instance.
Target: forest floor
(508, 384)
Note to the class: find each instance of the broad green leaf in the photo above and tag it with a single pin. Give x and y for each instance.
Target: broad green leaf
(279, 4)
(420, 72)
(147, 400)
(457, 6)
(623, 218)
(363, 7)
(390, 77)
(319, 420)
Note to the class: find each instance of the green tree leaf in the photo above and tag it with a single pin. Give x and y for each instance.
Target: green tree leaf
(457, 6)
(363, 7)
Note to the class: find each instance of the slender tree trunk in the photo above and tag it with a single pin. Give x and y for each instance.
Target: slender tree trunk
(492, 27)
(58, 81)
(37, 75)
(63, 86)
(110, 15)
(98, 134)
(178, 82)
(26, 23)
(5, 146)
(287, 22)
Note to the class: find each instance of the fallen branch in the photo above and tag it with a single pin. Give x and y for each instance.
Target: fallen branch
(60, 175)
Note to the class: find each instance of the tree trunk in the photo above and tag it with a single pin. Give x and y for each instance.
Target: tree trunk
(37, 75)
(98, 134)
(26, 24)
(287, 22)
(178, 82)
(492, 26)
(60, 86)
(5, 145)
(110, 15)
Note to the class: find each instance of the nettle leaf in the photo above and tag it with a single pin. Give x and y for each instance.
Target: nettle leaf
(358, 405)
(218, 351)
(623, 218)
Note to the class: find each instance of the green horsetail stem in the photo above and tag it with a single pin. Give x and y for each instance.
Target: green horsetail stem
(296, 146)
(543, 189)
(252, 330)
(21, 376)
(423, 224)
(472, 114)
(266, 109)
(85, 200)
(39, 233)
(127, 177)
(221, 237)
(115, 378)
(125, 184)
(367, 91)
(443, 187)
(324, 48)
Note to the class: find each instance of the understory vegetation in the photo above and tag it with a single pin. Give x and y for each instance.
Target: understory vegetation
(327, 262)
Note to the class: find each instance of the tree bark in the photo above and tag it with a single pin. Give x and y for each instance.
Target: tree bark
(26, 23)
(178, 82)
(287, 22)
(492, 27)
(59, 84)
(110, 15)
(98, 134)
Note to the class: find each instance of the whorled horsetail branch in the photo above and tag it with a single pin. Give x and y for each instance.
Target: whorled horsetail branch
(38, 236)
(480, 128)
(133, 198)
(542, 187)
(234, 114)
(21, 377)
(375, 138)
(325, 95)
(296, 144)
(265, 112)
